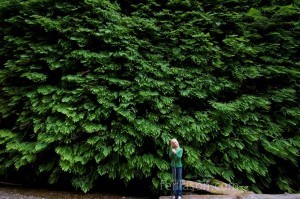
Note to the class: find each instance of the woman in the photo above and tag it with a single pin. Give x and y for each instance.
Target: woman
(175, 154)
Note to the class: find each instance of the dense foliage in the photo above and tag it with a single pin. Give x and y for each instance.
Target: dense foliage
(96, 88)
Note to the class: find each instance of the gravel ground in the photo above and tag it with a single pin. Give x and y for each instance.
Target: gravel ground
(27, 193)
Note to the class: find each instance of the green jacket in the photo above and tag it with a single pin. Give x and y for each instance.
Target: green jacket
(176, 158)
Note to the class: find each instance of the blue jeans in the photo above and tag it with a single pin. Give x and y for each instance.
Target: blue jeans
(177, 185)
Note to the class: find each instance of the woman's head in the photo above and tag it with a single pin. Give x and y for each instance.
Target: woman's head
(174, 143)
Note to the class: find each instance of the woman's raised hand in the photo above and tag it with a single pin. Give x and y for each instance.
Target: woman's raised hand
(174, 151)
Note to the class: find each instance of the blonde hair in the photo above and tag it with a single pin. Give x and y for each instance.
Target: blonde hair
(174, 140)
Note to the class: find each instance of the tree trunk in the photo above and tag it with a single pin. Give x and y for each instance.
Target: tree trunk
(241, 196)
(227, 191)
(223, 189)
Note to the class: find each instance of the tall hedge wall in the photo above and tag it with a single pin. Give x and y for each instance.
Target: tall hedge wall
(94, 89)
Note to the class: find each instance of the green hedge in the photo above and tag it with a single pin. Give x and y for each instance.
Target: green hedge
(97, 88)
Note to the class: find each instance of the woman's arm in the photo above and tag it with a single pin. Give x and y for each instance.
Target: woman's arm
(178, 154)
